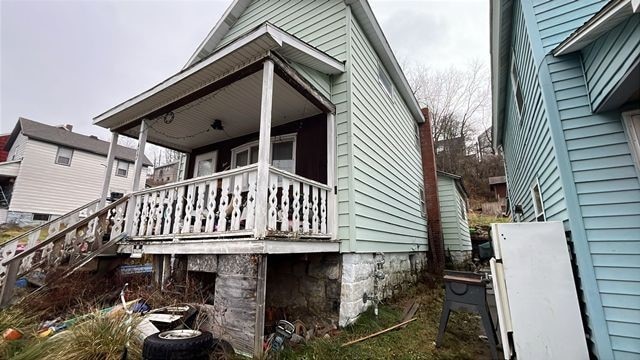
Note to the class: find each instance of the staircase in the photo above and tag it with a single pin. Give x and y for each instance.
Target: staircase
(70, 240)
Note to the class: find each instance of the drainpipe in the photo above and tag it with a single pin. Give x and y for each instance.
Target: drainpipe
(430, 181)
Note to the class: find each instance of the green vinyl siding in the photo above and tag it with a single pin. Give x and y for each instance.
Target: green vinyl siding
(527, 144)
(322, 82)
(321, 23)
(557, 19)
(609, 59)
(455, 228)
(386, 162)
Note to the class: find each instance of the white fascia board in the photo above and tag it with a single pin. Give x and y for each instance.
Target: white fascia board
(587, 34)
(183, 74)
(495, 11)
(221, 28)
(282, 37)
(383, 49)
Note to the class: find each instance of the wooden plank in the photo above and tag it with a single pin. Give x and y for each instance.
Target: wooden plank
(109, 170)
(261, 292)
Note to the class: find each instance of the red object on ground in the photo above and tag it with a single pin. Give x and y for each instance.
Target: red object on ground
(12, 334)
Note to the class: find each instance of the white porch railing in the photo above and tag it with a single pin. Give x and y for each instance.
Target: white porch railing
(224, 204)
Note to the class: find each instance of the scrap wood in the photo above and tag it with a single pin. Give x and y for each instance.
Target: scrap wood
(379, 332)
(410, 312)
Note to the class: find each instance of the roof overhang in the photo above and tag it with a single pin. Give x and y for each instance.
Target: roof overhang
(604, 20)
(363, 13)
(238, 54)
(501, 12)
(10, 168)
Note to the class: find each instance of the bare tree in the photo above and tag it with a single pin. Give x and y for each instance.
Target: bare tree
(162, 156)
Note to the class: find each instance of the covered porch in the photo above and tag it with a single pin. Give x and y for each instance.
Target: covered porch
(260, 145)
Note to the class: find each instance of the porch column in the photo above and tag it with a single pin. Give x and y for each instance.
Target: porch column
(142, 142)
(264, 149)
(137, 173)
(332, 223)
(109, 171)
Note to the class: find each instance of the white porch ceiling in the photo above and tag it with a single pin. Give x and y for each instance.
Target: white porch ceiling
(236, 105)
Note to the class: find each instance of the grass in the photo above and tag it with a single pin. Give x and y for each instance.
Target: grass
(478, 220)
(416, 341)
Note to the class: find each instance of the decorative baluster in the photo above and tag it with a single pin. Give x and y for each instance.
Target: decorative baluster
(212, 192)
(168, 212)
(118, 220)
(188, 212)
(144, 215)
(152, 213)
(284, 205)
(137, 213)
(8, 251)
(177, 222)
(305, 208)
(197, 227)
(162, 199)
(315, 218)
(296, 206)
(224, 204)
(236, 202)
(323, 211)
(250, 221)
(34, 239)
(272, 211)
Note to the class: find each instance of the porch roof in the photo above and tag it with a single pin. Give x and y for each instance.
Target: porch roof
(10, 168)
(237, 55)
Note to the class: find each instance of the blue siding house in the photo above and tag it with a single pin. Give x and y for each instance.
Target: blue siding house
(566, 115)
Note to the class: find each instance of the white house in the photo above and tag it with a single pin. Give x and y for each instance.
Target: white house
(51, 170)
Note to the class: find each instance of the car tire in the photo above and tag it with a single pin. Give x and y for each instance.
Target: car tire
(178, 345)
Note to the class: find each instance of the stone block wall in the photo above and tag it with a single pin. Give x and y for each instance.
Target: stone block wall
(358, 277)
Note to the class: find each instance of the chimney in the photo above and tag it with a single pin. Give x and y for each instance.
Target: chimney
(430, 179)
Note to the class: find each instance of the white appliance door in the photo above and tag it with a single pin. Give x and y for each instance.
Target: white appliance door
(542, 297)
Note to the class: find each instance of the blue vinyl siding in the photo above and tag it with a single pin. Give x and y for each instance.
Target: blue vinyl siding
(386, 161)
(557, 19)
(609, 197)
(527, 145)
(609, 58)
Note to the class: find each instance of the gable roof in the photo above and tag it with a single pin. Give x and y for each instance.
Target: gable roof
(457, 179)
(362, 12)
(59, 136)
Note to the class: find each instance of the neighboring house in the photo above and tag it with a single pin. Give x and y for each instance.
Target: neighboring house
(3, 141)
(51, 170)
(566, 115)
(453, 216)
(498, 186)
(164, 174)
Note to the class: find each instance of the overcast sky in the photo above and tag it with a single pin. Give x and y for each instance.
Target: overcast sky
(68, 61)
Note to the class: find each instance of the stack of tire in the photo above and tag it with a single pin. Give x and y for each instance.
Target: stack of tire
(178, 345)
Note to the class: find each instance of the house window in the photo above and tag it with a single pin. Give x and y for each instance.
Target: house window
(122, 168)
(515, 84)
(40, 217)
(283, 153)
(538, 205)
(64, 155)
(385, 81)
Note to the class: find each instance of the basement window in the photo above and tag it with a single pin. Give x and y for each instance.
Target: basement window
(122, 168)
(64, 155)
(385, 81)
(538, 204)
(515, 84)
(40, 217)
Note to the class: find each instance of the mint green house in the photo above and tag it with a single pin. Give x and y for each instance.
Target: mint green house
(303, 181)
(453, 200)
(566, 115)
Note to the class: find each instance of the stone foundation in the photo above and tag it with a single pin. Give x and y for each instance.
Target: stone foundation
(305, 285)
(459, 256)
(358, 277)
(24, 218)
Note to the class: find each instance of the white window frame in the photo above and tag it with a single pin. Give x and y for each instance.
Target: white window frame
(382, 72)
(631, 121)
(538, 212)
(274, 140)
(118, 168)
(58, 156)
(515, 85)
(210, 155)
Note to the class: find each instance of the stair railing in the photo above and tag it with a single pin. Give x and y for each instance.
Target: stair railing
(76, 237)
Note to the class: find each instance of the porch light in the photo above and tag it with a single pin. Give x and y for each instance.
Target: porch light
(217, 125)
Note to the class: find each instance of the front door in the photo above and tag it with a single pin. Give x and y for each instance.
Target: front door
(206, 164)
